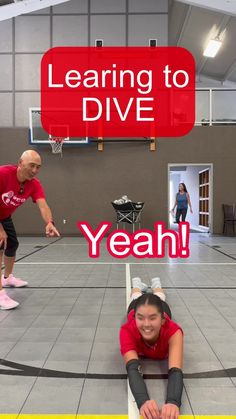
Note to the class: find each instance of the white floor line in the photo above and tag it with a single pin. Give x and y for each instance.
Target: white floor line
(133, 412)
(130, 263)
(68, 263)
(86, 244)
(56, 244)
(128, 283)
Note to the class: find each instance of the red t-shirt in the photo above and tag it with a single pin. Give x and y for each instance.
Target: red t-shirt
(131, 339)
(10, 198)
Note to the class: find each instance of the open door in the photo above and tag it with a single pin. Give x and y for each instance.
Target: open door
(198, 179)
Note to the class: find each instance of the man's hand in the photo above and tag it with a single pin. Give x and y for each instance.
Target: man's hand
(169, 411)
(3, 237)
(51, 230)
(150, 410)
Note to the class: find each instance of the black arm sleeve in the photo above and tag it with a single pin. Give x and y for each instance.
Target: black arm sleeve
(136, 382)
(175, 386)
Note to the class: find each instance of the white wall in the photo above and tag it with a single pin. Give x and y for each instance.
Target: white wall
(24, 40)
(174, 183)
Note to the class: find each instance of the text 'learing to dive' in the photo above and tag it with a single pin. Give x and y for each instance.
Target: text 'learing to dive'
(118, 91)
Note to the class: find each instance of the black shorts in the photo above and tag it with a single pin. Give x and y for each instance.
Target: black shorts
(165, 306)
(181, 213)
(12, 242)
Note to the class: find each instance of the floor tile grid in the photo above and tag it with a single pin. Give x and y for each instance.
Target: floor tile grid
(169, 279)
(150, 271)
(26, 329)
(186, 276)
(49, 276)
(54, 251)
(223, 250)
(201, 300)
(91, 350)
(34, 249)
(203, 274)
(10, 313)
(18, 340)
(181, 267)
(231, 293)
(50, 350)
(190, 314)
(218, 310)
(201, 278)
(188, 397)
(224, 347)
(183, 276)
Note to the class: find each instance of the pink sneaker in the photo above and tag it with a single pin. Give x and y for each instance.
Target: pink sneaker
(11, 281)
(6, 303)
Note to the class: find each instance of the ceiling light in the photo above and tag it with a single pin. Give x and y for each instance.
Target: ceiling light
(212, 48)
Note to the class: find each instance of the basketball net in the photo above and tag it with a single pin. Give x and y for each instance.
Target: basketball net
(57, 144)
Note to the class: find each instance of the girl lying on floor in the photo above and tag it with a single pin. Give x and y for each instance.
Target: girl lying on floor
(149, 332)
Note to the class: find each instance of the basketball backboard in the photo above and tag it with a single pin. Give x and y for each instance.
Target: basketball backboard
(37, 134)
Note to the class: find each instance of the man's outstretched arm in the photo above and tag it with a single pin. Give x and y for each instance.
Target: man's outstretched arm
(46, 214)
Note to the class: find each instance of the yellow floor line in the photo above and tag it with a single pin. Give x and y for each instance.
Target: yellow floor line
(91, 416)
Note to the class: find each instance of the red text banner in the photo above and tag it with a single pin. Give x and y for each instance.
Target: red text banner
(118, 91)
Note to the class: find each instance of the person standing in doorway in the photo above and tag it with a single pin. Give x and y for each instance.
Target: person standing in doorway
(182, 202)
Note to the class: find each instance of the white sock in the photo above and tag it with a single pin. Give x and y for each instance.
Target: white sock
(156, 283)
(161, 295)
(135, 295)
(137, 283)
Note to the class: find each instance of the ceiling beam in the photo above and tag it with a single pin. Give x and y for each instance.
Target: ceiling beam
(25, 6)
(170, 6)
(186, 18)
(220, 6)
(221, 27)
(4, 2)
(230, 71)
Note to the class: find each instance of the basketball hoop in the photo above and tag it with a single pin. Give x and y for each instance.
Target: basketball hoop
(57, 144)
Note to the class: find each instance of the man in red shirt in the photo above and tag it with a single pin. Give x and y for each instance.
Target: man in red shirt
(17, 184)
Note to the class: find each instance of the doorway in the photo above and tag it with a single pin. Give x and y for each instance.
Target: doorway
(198, 179)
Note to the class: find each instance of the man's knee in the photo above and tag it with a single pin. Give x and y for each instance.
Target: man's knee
(12, 247)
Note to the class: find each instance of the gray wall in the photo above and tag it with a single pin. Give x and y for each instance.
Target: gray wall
(25, 39)
(81, 185)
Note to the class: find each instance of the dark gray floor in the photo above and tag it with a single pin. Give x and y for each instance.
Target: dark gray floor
(60, 351)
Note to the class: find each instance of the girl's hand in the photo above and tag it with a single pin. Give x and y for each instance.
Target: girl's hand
(150, 410)
(169, 411)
